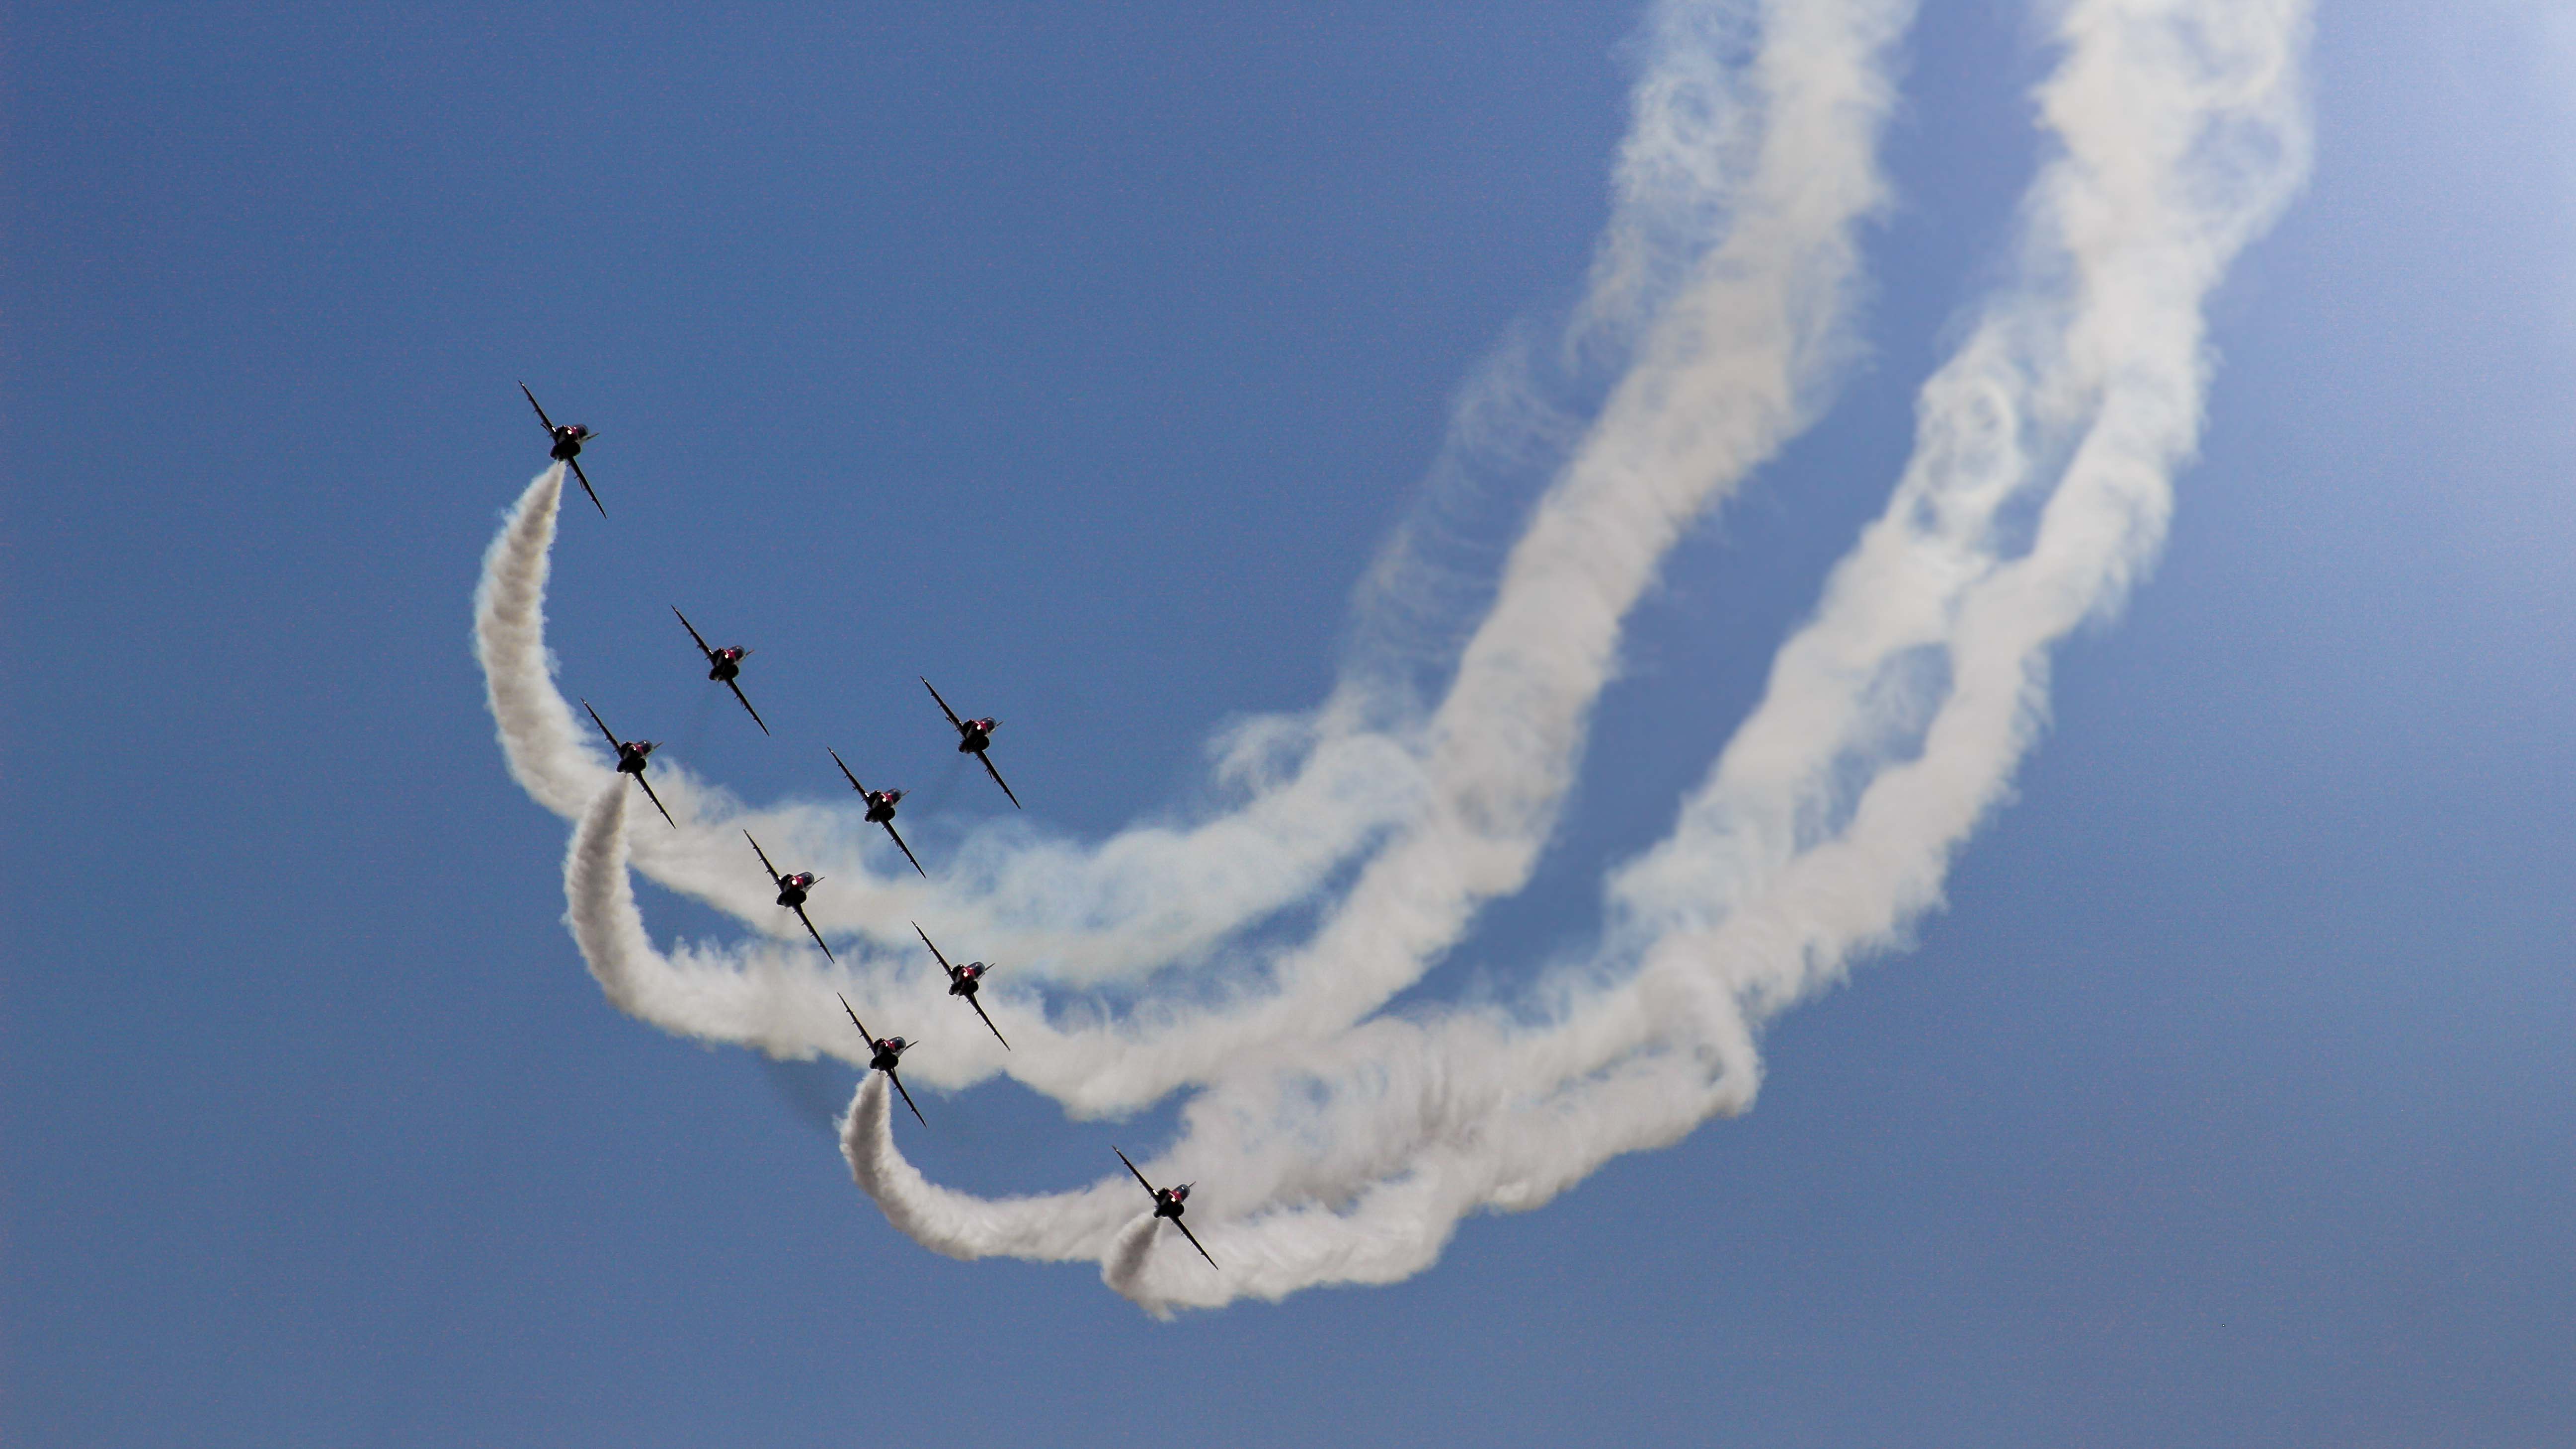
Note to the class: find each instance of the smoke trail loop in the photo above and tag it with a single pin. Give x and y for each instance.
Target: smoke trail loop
(1339, 1143)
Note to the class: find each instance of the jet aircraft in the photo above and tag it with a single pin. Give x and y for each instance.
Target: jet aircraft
(724, 666)
(791, 892)
(963, 981)
(567, 447)
(888, 1052)
(1167, 1204)
(630, 760)
(880, 809)
(974, 737)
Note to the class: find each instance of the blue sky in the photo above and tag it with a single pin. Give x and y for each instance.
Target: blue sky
(1084, 362)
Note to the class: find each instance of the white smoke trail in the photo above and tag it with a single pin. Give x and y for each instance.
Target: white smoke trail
(1728, 372)
(1056, 905)
(538, 736)
(1897, 715)
(1894, 719)
(1341, 1152)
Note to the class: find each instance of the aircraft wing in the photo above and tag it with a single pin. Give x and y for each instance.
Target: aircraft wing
(934, 951)
(1140, 1177)
(997, 778)
(943, 705)
(696, 637)
(541, 412)
(988, 1023)
(906, 849)
(575, 465)
(916, 1111)
(1194, 1242)
(603, 729)
(746, 704)
(657, 801)
(845, 771)
(818, 937)
(854, 1021)
(764, 858)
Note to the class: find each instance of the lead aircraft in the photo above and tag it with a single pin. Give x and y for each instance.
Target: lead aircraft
(566, 447)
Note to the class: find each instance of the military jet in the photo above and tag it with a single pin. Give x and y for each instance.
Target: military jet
(880, 809)
(630, 760)
(974, 737)
(723, 666)
(567, 447)
(1167, 1204)
(791, 892)
(962, 981)
(887, 1052)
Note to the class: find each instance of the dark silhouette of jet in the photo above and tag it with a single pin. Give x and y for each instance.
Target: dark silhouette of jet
(791, 892)
(723, 666)
(880, 809)
(974, 737)
(887, 1053)
(963, 981)
(630, 761)
(1167, 1204)
(567, 447)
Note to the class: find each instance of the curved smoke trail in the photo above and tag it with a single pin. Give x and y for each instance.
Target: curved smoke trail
(1456, 804)
(1336, 1146)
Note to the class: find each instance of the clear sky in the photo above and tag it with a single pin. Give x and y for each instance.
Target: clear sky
(1083, 362)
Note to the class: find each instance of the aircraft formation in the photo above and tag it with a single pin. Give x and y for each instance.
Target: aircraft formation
(974, 737)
